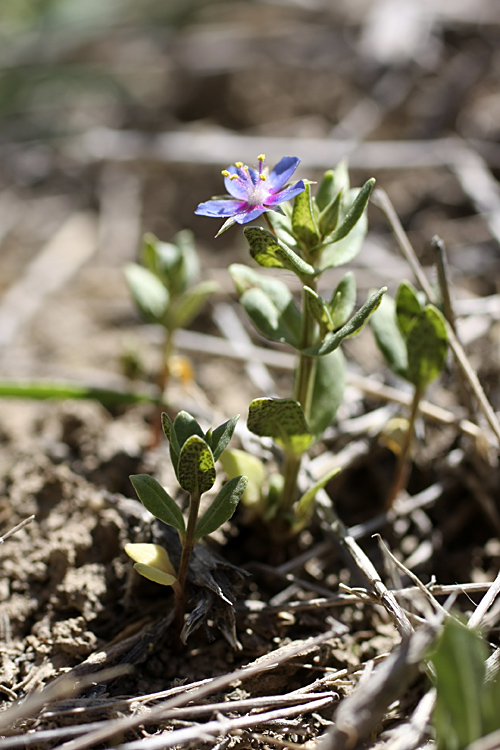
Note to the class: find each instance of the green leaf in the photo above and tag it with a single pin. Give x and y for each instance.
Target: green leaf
(236, 462)
(270, 252)
(388, 337)
(459, 666)
(186, 307)
(339, 253)
(184, 427)
(305, 505)
(326, 192)
(222, 507)
(165, 261)
(345, 250)
(342, 178)
(281, 419)
(196, 470)
(220, 437)
(184, 241)
(318, 308)
(303, 221)
(334, 339)
(148, 292)
(168, 429)
(354, 213)
(427, 345)
(269, 304)
(407, 306)
(41, 390)
(329, 218)
(176, 264)
(343, 300)
(328, 391)
(278, 319)
(157, 500)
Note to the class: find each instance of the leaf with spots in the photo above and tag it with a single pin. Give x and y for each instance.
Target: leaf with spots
(281, 419)
(427, 344)
(270, 252)
(196, 470)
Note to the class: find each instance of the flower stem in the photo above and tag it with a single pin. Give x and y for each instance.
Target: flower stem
(302, 392)
(403, 465)
(269, 223)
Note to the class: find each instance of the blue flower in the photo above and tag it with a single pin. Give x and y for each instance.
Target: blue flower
(253, 191)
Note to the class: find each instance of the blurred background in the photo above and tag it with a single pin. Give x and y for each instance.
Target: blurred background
(116, 118)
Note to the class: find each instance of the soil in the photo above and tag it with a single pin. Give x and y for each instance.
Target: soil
(72, 606)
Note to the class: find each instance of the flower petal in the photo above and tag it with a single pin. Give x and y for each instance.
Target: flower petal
(236, 188)
(282, 172)
(250, 214)
(221, 207)
(286, 194)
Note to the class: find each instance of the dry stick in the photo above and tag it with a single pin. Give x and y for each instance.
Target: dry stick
(366, 706)
(301, 703)
(215, 345)
(482, 608)
(364, 564)
(437, 245)
(381, 199)
(62, 688)
(16, 528)
(222, 726)
(411, 734)
(416, 580)
(214, 685)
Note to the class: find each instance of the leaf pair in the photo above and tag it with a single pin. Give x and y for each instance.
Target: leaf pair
(193, 457)
(333, 314)
(332, 225)
(412, 338)
(164, 288)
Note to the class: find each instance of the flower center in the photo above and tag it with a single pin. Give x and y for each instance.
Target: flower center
(253, 181)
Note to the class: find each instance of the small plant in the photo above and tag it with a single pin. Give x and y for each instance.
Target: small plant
(167, 292)
(316, 233)
(413, 339)
(467, 701)
(193, 454)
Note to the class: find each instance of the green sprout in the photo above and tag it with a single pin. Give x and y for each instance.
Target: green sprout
(193, 454)
(413, 339)
(314, 234)
(167, 292)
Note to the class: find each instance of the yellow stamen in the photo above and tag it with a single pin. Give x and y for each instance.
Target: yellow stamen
(225, 173)
(261, 157)
(263, 177)
(245, 168)
(238, 164)
(234, 177)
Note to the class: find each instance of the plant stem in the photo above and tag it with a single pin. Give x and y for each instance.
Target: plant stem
(188, 541)
(269, 223)
(302, 392)
(403, 465)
